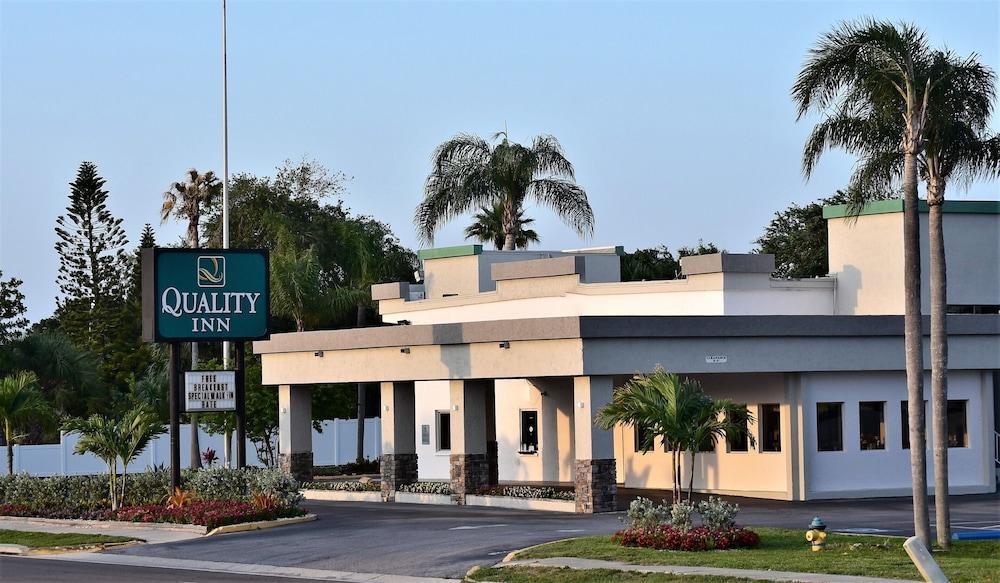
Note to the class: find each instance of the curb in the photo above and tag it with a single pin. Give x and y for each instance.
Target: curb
(106, 523)
(513, 554)
(247, 526)
(8, 549)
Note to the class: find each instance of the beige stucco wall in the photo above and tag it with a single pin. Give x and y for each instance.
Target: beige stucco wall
(752, 473)
(554, 460)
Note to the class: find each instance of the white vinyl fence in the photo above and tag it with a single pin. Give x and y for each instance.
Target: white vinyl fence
(335, 444)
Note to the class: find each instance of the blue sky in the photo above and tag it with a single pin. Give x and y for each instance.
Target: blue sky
(675, 114)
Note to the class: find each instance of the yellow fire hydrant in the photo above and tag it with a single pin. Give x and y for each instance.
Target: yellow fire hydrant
(817, 534)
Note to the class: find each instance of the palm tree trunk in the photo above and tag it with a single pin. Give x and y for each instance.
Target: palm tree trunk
(10, 458)
(227, 446)
(509, 239)
(195, 446)
(691, 478)
(121, 498)
(939, 361)
(913, 342)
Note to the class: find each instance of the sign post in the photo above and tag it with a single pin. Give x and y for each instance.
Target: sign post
(199, 295)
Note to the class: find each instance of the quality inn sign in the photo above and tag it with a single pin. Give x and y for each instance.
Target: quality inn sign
(204, 294)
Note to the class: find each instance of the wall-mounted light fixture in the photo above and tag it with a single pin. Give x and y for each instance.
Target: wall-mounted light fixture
(386, 407)
(505, 344)
(318, 353)
(580, 404)
(454, 407)
(404, 323)
(405, 350)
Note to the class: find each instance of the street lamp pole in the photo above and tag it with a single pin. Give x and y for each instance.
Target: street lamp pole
(225, 156)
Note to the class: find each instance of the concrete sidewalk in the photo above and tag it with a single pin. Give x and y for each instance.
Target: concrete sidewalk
(158, 534)
(573, 563)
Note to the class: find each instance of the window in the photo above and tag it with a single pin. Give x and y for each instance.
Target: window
(425, 435)
(829, 426)
(643, 439)
(443, 430)
(904, 413)
(738, 440)
(974, 309)
(529, 432)
(770, 427)
(871, 421)
(958, 429)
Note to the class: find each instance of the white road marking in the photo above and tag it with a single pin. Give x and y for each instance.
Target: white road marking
(572, 530)
(862, 530)
(477, 526)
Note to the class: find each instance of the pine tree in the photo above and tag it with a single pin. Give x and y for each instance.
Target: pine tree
(12, 310)
(93, 267)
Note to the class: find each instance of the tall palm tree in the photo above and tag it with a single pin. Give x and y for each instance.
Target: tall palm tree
(872, 69)
(469, 173)
(956, 148)
(101, 436)
(20, 402)
(488, 228)
(296, 287)
(189, 200)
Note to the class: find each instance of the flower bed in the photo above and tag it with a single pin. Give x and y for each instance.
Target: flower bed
(348, 469)
(443, 488)
(700, 538)
(532, 492)
(208, 513)
(346, 486)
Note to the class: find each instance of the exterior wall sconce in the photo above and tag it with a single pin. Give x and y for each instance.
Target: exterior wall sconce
(580, 405)
(403, 323)
(454, 407)
(404, 350)
(386, 407)
(318, 354)
(505, 344)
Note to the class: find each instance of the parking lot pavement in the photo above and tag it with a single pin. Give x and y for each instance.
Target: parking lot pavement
(405, 539)
(445, 541)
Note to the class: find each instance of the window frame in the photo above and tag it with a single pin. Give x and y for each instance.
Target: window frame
(520, 447)
(763, 426)
(438, 426)
(840, 426)
(746, 436)
(965, 422)
(882, 427)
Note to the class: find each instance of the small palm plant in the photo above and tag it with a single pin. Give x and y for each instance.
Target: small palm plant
(488, 228)
(20, 403)
(100, 436)
(677, 411)
(136, 429)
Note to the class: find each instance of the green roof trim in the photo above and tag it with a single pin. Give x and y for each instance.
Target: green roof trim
(456, 251)
(881, 207)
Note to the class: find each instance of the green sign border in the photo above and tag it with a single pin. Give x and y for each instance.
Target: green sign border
(150, 299)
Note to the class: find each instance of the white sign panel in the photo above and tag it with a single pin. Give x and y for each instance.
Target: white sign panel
(716, 359)
(210, 390)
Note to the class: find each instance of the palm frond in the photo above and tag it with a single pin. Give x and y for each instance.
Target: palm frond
(567, 199)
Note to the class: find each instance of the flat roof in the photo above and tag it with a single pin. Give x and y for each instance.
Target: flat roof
(895, 205)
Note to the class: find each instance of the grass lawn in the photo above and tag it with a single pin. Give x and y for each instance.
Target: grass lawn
(56, 539)
(556, 575)
(787, 550)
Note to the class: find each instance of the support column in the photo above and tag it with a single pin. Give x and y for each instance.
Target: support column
(399, 443)
(295, 431)
(594, 468)
(469, 467)
(492, 447)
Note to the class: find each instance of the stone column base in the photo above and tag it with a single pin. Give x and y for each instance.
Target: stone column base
(397, 469)
(469, 473)
(596, 486)
(298, 464)
(493, 459)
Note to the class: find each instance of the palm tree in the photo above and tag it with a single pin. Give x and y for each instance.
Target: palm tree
(871, 70)
(136, 428)
(189, 200)
(677, 411)
(488, 228)
(20, 402)
(100, 436)
(296, 288)
(469, 173)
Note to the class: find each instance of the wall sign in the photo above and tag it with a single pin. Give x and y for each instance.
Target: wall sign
(210, 390)
(716, 359)
(204, 294)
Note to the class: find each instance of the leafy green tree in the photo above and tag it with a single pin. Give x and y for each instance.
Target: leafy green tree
(12, 321)
(874, 70)
(296, 285)
(676, 411)
(20, 403)
(658, 263)
(66, 375)
(798, 238)
(469, 173)
(488, 228)
(188, 200)
(93, 268)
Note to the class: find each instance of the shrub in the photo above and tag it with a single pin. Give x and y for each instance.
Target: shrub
(349, 469)
(666, 537)
(528, 492)
(680, 515)
(276, 483)
(427, 488)
(346, 486)
(717, 514)
(208, 513)
(644, 514)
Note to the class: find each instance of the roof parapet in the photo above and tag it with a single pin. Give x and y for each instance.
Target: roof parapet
(555, 266)
(727, 263)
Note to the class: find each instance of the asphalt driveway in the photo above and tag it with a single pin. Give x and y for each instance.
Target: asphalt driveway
(445, 541)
